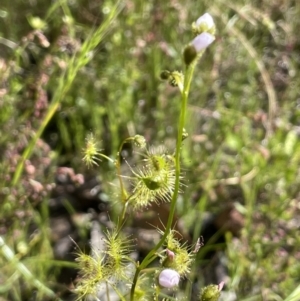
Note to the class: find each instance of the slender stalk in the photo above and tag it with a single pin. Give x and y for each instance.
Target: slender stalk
(184, 99)
(118, 167)
(120, 295)
(28, 151)
(122, 217)
(107, 158)
(124, 198)
(107, 292)
(75, 64)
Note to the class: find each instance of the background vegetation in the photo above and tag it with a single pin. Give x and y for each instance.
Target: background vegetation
(71, 67)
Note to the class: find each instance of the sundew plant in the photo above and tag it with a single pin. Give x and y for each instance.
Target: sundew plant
(156, 179)
(147, 157)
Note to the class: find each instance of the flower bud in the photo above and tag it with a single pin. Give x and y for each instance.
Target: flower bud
(205, 23)
(184, 134)
(165, 74)
(205, 20)
(199, 43)
(176, 79)
(170, 254)
(189, 54)
(139, 141)
(211, 292)
(168, 278)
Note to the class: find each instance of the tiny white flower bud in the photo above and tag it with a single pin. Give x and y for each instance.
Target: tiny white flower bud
(221, 285)
(202, 41)
(170, 254)
(168, 278)
(206, 20)
(139, 141)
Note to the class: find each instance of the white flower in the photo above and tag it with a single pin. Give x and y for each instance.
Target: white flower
(168, 278)
(202, 41)
(205, 20)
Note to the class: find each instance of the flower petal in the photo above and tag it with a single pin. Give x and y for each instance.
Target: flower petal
(207, 20)
(168, 278)
(202, 41)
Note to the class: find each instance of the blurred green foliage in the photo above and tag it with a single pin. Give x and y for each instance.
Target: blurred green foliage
(243, 123)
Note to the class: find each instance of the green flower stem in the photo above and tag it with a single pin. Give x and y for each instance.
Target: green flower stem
(124, 196)
(106, 157)
(184, 99)
(124, 209)
(118, 167)
(28, 151)
(107, 291)
(22, 269)
(116, 290)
